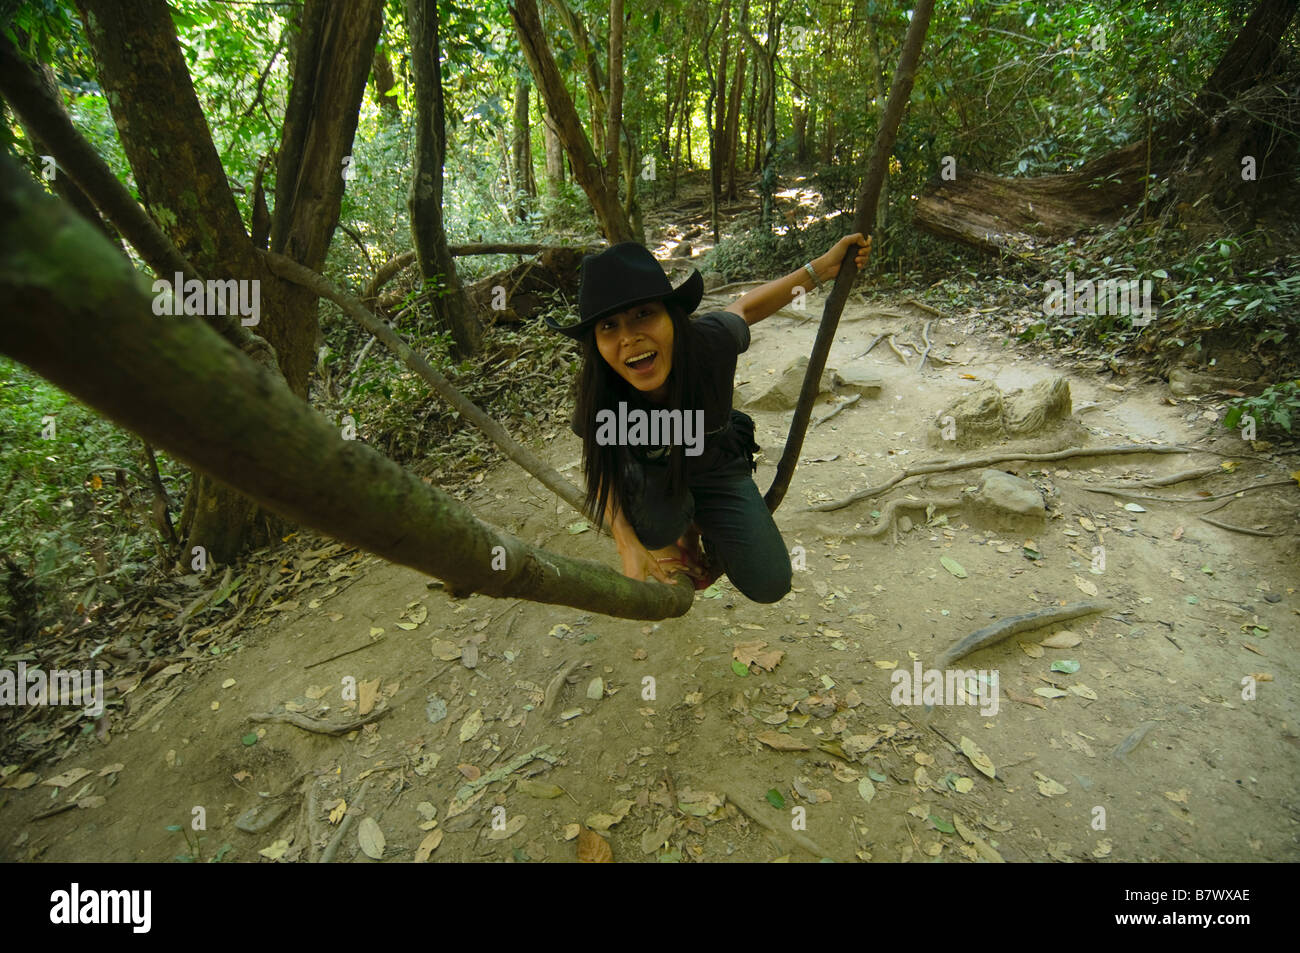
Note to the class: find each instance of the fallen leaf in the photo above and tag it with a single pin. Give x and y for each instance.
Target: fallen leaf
(977, 757)
(367, 692)
(1065, 639)
(339, 809)
(593, 849)
(530, 788)
(1036, 702)
(752, 652)
(66, 779)
(471, 726)
(1048, 692)
(1178, 797)
(1087, 524)
(780, 742)
(1031, 649)
(275, 851)
(513, 827)
(1135, 507)
(371, 838)
(428, 846)
(1084, 586)
(1065, 666)
(1047, 787)
(866, 790)
(952, 566)
(1083, 691)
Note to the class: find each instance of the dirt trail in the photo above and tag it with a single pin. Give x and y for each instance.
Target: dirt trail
(1196, 609)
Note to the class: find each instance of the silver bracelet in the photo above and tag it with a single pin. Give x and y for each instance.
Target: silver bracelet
(817, 282)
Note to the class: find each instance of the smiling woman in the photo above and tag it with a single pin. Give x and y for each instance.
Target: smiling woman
(667, 459)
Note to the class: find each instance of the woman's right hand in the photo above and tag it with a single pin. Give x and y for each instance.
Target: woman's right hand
(643, 565)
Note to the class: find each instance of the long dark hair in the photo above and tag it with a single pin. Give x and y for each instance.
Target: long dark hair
(600, 387)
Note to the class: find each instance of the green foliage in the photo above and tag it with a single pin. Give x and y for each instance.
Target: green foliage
(65, 498)
(1274, 411)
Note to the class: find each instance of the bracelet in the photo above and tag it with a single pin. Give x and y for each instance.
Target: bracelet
(817, 282)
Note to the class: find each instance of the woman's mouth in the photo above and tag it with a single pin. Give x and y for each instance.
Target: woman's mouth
(643, 363)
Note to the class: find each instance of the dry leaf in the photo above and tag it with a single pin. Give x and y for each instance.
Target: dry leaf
(1047, 787)
(1084, 586)
(780, 742)
(367, 692)
(1065, 639)
(371, 838)
(1031, 649)
(593, 849)
(337, 812)
(513, 827)
(1024, 700)
(472, 725)
(66, 779)
(752, 652)
(977, 757)
(428, 846)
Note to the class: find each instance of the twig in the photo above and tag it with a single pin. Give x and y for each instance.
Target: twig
(877, 340)
(1120, 491)
(924, 307)
(307, 723)
(802, 840)
(945, 467)
(341, 654)
(925, 336)
(1181, 476)
(1239, 529)
(354, 809)
(734, 284)
(848, 403)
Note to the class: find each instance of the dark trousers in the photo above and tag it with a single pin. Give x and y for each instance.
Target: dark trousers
(738, 531)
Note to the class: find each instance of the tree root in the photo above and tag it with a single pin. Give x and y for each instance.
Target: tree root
(947, 467)
(889, 514)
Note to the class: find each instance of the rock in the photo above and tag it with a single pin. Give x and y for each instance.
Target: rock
(986, 415)
(683, 250)
(904, 524)
(1045, 403)
(713, 279)
(857, 381)
(1005, 493)
(1184, 382)
(972, 419)
(782, 393)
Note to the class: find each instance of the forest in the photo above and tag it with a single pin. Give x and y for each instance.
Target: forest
(299, 559)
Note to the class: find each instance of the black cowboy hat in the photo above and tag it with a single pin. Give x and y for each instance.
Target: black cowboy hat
(624, 275)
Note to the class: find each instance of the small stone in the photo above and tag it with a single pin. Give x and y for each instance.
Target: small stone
(596, 689)
(904, 524)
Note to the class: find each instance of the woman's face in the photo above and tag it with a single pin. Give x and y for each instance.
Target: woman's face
(638, 345)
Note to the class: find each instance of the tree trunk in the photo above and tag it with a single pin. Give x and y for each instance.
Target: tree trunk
(554, 152)
(437, 267)
(586, 166)
(733, 122)
(385, 82)
(878, 94)
(521, 149)
(80, 319)
(181, 180)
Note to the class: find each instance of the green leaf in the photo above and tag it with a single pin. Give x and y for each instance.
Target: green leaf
(953, 566)
(249, 739)
(740, 668)
(941, 824)
(1069, 667)
(774, 798)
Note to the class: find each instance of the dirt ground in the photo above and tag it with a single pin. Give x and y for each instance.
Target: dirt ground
(1153, 750)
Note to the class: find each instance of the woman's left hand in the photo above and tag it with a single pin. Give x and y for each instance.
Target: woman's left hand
(828, 265)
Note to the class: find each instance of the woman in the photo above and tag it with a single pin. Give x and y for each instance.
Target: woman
(660, 488)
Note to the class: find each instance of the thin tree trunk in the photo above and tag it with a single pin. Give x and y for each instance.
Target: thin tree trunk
(587, 169)
(385, 82)
(425, 200)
